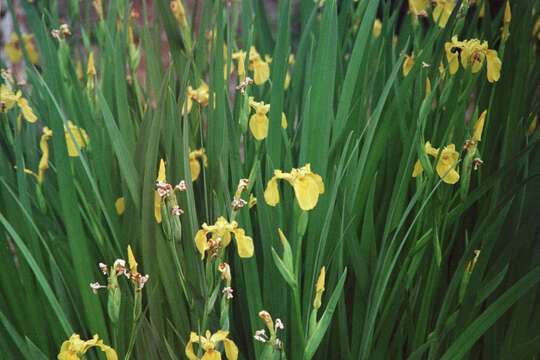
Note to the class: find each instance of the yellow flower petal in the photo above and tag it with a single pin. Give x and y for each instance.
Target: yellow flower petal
(195, 169)
(306, 191)
(230, 349)
(189, 351)
(132, 261)
(26, 110)
(201, 242)
(479, 126)
(418, 7)
(211, 355)
(284, 123)
(377, 28)
(418, 169)
(120, 205)
(271, 194)
(319, 288)
(493, 66)
(162, 171)
(8, 98)
(261, 71)
(408, 64)
(220, 335)
(75, 138)
(157, 207)
(244, 243)
(258, 124)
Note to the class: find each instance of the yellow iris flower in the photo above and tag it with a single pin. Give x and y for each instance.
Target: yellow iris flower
(200, 95)
(208, 343)
(408, 64)
(8, 99)
(260, 68)
(472, 54)
(79, 140)
(443, 10)
(13, 49)
(194, 165)
(240, 57)
(377, 28)
(44, 161)
(220, 237)
(157, 199)
(418, 7)
(258, 122)
(75, 348)
(479, 126)
(306, 184)
(445, 166)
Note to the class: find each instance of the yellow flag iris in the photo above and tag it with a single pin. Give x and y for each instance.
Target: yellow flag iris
(75, 348)
(445, 166)
(472, 54)
(306, 184)
(214, 237)
(157, 199)
(258, 122)
(208, 344)
(200, 95)
(194, 165)
(13, 49)
(76, 138)
(8, 99)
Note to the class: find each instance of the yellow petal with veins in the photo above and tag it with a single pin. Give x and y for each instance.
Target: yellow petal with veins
(258, 124)
(230, 349)
(493, 66)
(201, 242)
(195, 169)
(306, 191)
(244, 243)
(271, 194)
(261, 71)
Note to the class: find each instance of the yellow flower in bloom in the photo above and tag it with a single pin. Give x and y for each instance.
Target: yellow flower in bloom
(306, 184)
(258, 122)
(479, 126)
(472, 54)
(443, 10)
(13, 50)
(157, 199)
(260, 68)
(408, 64)
(8, 99)
(194, 165)
(199, 95)
(208, 344)
(445, 166)
(44, 161)
(220, 237)
(377, 28)
(75, 348)
(76, 138)
(240, 57)
(418, 7)
(120, 205)
(177, 8)
(319, 288)
(506, 21)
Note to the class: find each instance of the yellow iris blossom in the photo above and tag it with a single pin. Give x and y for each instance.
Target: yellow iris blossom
(177, 9)
(75, 348)
(479, 126)
(445, 166)
(199, 95)
(208, 344)
(194, 165)
(377, 28)
(319, 288)
(443, 10)
(240, 57)
(79, 140)
(258, 122)
(418, 7)
(157, 199)
(44, 161)
(306, 184)
(13, 49)
(260, 68)
(220, 237)
(408, 64)
(8, 99)
(472, 53)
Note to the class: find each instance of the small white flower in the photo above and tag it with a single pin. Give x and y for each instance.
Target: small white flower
(260, 335)
(176, 211)
(228, 292)
(181, 186)
(279, 324)
(103, 268)
(95, 286)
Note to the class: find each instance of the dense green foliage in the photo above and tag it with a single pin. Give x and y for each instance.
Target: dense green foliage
(403, 279)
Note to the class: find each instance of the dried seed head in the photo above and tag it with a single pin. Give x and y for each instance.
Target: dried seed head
(228, 292)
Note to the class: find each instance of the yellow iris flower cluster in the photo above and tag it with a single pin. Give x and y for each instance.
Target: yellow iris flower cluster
(208, 344)
(472, 53)
(212, 238)
(260, 67)
(75, 348)
(306, 184)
